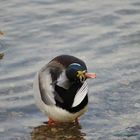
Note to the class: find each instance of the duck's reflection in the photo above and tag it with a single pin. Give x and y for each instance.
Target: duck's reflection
(67, 131)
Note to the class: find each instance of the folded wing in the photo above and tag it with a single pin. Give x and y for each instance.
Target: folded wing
(80, 95)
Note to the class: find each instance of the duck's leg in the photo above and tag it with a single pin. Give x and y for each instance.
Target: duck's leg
(50, 121)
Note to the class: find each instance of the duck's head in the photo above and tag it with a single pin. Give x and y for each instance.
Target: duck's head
(77, 73)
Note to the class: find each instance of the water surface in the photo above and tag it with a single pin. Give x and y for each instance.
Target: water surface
(105, 34)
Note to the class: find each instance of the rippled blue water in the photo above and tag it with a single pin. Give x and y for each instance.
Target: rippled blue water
(105, 34)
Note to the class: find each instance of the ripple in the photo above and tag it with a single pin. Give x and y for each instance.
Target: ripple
(104, 34)
(128, 11)
(136, 4)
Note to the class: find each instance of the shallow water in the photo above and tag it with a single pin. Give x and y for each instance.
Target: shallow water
(105, 34)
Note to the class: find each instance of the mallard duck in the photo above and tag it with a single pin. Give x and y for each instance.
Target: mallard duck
(61, 90)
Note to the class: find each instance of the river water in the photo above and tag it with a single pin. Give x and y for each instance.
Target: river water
(105, 34)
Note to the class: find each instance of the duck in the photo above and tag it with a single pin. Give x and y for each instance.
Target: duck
(61, 89)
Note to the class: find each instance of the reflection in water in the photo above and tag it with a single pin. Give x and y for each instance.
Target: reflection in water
(67, 131)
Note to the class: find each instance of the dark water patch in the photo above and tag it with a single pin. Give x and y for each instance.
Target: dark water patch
(136, 85)
(3, 114)
(68, 12)
(137, 4)
(107, 20)
(107, 50)
(42, 2)
(128, 12)
(106, 36)
(74, 39)
(127, 25)
(130, 39)
(129, 132)
(104, 20)
(57, 28)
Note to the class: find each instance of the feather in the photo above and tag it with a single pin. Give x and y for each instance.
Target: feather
(46, 88)
(80, 95)
(47, 81)
(63, 81)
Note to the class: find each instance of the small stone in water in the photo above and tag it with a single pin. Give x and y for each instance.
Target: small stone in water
(125, 82)
(1, 55)
(1, 33)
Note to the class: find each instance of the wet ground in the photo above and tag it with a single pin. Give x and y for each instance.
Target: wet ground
(105, 34)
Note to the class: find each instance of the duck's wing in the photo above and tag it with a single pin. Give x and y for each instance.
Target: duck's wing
(80, 95)
(47, 77)
(46, 88)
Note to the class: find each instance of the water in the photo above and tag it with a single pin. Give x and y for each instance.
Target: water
(105, 34)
